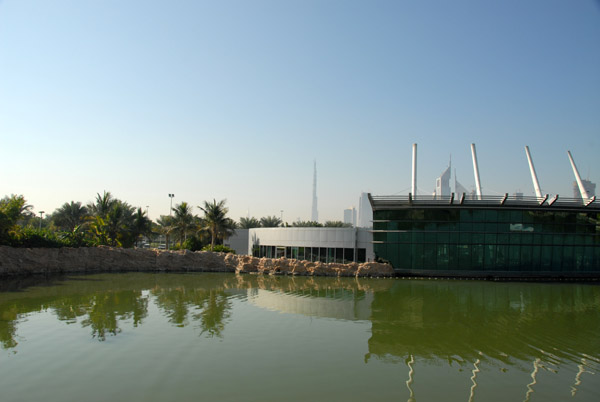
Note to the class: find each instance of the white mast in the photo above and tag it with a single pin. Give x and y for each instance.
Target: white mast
(314, 216)
(414, 171)
(536, 184)
(476, 171)
(582, 189)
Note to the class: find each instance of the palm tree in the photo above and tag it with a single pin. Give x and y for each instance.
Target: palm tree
(306, 224)
(183, 220)
(337, 224)
(270, 222)
(70, 215)
(216, 221)
(166, 226)
(114, 227)
(141, 224)
(249, 223)
(12, 210)
(103, 204)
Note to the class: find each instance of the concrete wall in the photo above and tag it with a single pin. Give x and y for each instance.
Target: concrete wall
(238, 242)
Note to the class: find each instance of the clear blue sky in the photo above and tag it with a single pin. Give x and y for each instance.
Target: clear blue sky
(235, 99)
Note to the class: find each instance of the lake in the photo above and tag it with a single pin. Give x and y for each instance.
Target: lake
(227, 337)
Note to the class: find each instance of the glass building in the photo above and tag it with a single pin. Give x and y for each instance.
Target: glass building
(493, 236)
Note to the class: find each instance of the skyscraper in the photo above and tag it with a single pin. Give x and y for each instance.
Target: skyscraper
(314, 216)
(442, 184)
(350, 216)
(589, 186)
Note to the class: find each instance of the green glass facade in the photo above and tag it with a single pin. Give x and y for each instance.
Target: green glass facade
(467, 238)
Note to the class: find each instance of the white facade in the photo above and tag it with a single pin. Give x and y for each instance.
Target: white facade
(365, 212)
(350, 216)
(312, 243)
(238, 241)
(442, 184)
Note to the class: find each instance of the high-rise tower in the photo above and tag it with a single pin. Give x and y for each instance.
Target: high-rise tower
(315, 212)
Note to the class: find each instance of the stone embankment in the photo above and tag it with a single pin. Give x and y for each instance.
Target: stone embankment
(25, 261)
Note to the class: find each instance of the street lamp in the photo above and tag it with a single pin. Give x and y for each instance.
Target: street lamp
(170, 214)
(41, 213)
(171, 209)
(281, 217)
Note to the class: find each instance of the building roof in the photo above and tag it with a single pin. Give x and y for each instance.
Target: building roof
(554, 203)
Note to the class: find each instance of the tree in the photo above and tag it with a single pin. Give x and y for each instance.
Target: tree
(216, 221)
(249, 223)
(183, 220)
(337, 224)
(12, 209)
(70, 215)
(103, 204)
(166, 226)
(307, 224)
(270, 222)
(113, 228)
(141, 225)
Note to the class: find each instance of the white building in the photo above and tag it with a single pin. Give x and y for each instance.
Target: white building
(310, 243)
(350, 216)
(365, 212)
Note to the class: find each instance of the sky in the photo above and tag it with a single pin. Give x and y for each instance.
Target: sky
(236, 99)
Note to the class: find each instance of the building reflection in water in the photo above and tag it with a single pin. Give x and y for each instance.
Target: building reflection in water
(475, 325)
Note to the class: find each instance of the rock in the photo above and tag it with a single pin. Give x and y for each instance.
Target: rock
(375, 269)
(25, 261)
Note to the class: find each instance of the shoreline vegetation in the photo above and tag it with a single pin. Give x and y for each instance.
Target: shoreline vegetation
(109, 221)
(31, 261)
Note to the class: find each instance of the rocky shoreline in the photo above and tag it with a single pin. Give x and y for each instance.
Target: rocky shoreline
(29, 261)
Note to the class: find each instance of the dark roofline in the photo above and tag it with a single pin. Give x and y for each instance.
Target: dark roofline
(555, 203)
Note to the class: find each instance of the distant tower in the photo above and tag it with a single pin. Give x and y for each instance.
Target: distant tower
(459, 189)
(315, 212)
(590, 188)
(350, 216)
(442, 184)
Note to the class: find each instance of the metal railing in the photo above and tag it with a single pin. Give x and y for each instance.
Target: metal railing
(383, 201)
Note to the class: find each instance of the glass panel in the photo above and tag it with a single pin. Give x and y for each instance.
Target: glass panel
(322, 254)
(489, 259)
(429, 252)
(280, 252)
(464, 256)
(514, 257)
(339, 255)
(477, 257)
(362, 255)
(348, 255)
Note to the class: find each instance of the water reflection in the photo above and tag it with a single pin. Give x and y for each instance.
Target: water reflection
(465, 325)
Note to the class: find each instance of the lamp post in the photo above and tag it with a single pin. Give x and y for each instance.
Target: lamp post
(170, 214)
(281, 217)
(41, 213)
(171, 209)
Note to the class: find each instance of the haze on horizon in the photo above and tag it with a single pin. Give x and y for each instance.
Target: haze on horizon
(236, 99)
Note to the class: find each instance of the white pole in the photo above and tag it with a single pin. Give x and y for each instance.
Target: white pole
(536, 184)
(414, 171)
(582, 190)
(476, 171)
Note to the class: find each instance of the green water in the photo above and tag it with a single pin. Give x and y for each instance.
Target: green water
(180, 337)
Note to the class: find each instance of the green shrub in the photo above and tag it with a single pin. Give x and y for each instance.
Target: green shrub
(219, 248)
(32, 238)
(192, 243)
